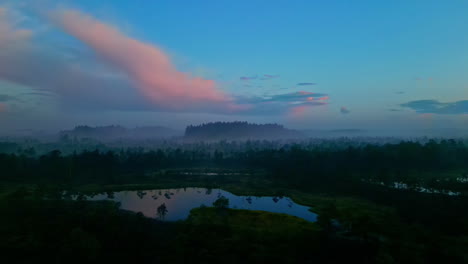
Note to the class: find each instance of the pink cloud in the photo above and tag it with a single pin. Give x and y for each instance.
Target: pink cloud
(324, 98)
(3, 107)
(147, 65)
(344, 110)
(298, 111)
(10, 36)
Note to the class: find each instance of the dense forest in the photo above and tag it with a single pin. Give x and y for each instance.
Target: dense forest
(238, 130)
(412, 163)
(399, 202)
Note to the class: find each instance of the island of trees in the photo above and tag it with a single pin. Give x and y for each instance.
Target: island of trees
(238, 130)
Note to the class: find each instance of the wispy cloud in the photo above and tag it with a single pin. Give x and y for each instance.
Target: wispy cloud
(268, 77)
(295, 97)
(436, 107)
(10, 35)
(298, 111)
(344, 110)
(6, 98)
(283, 103)
(3, 107)
(248, 78)
(306, 84)
(38, 94)
(149, 67)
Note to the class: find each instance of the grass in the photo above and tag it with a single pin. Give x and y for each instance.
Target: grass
(349, 210)
(247, 219)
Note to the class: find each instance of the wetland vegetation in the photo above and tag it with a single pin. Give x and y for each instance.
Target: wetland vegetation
(84, 205)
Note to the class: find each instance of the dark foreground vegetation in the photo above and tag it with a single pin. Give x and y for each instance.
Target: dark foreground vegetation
(391, 203)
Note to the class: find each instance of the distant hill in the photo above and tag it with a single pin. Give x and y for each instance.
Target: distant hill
(239, 130)
(106, 133)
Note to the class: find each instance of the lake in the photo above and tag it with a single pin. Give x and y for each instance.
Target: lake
(179, 202)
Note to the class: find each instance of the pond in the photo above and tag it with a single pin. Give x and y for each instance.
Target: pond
(179, 202)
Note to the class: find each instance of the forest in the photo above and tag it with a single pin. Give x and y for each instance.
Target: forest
(396, 202)
(238, 130)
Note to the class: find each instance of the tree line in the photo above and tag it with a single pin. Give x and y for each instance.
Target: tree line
(412, 163)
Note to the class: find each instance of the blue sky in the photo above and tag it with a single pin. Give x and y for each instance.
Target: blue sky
(369, 64)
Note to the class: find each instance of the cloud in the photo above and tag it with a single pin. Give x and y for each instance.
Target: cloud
(149, 67)
(3, 107)
(394, 110)
(282, 103)
(10, 35)
(247, 78)
(436, 107)
(306, 84)
(113, 72)
(295, 97)
(6, 98)
(45, 68)
(38, 94)
(400, 92)
(268, 77)
(298, 111)
(344, 110)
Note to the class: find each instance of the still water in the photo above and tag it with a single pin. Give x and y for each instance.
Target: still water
(179, 202)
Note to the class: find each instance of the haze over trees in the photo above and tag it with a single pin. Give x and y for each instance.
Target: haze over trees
(109, 133)
(376, 198)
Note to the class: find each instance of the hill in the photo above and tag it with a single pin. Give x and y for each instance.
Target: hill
(106, 133)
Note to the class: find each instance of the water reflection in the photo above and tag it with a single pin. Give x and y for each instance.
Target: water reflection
(175, 204)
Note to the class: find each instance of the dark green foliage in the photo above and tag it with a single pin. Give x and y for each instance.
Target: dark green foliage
(238, 130)
(37, 224)
(221, 203)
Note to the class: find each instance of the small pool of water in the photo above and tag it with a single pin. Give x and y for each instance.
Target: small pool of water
(179, 202)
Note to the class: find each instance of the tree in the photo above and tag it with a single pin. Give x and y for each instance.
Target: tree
(221, 203)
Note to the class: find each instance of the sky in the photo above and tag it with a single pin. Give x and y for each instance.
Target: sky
(336, 64)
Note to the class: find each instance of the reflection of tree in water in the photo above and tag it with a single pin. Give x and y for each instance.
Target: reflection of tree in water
(141, 194)
(110, 195)
(275, 199)
(154, 196)
(208, 191)
(81, 197)
(249, 200)
(167, 195)
(162, 211)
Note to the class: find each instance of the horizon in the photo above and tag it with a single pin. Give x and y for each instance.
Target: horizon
(307, 133)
